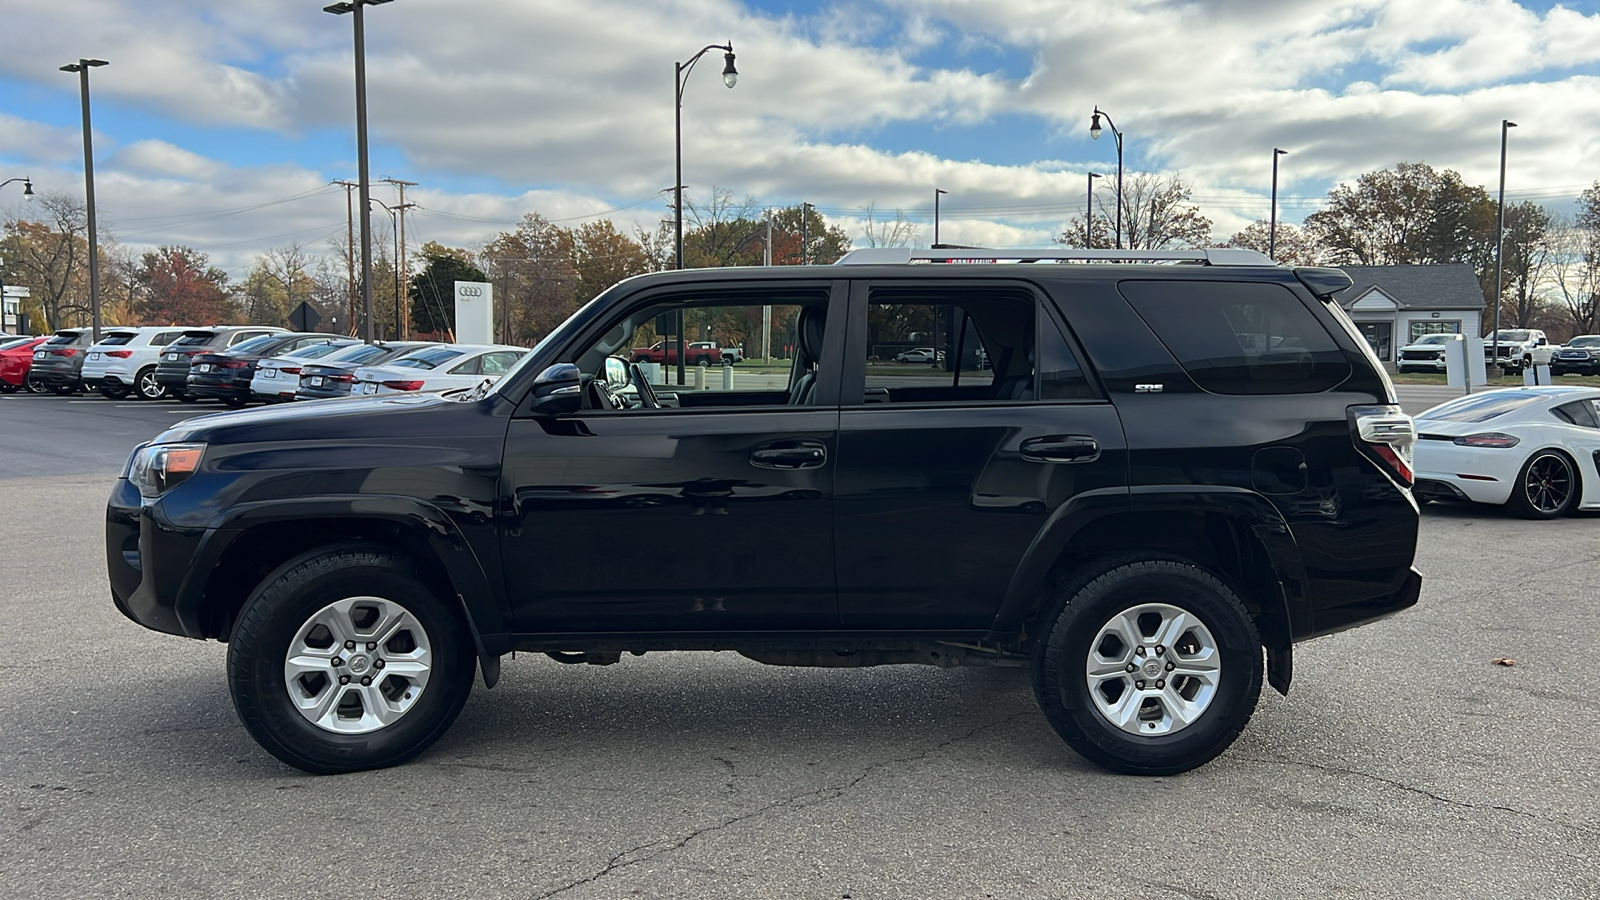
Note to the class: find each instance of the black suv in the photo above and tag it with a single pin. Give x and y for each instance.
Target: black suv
(1145, 481)
(172, 372)
(58, 362)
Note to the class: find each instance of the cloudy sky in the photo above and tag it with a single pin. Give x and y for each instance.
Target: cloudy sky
(220, 126)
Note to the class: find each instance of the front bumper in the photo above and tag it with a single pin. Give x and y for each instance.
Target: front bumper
(151, 564)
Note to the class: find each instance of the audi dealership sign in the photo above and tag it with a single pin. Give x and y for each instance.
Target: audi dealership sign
(474, 312)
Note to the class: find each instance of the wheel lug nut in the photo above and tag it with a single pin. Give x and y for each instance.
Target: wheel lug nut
(349, 645)
(1160, 650)
(1171, 666)
(1132, 667)
(344, 679)
(377, 664)
(1139, 685)
(338, 661)
(365, 681)
(1138, 651)
(372, 645)
(1160, 683)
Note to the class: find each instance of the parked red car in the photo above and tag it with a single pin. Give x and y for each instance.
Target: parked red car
(16, 359)
(698, 353)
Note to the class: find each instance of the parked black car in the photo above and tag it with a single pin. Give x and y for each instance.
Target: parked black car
(1579, 356)
(330, 378)
(226, 374)
(1164, 474)
(172, 372)
(58, 362)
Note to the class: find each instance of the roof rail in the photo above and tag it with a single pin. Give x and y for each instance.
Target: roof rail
(1212, 256)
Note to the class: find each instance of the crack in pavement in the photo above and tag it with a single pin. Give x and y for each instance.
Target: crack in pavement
(654, 849)
(1571, 826)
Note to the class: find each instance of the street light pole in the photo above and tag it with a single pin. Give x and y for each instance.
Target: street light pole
(1499, 240)
(1094, 133)
(1088, 214)
(1272, 229)
(82, 67)
(936, 193)
(680, 75)
(394, 227)
(339, 9)
(27, 194)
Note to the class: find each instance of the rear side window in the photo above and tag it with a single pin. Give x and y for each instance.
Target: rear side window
(161, 339)
(1240, 337)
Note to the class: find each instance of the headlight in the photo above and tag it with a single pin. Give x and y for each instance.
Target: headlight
(158, 468)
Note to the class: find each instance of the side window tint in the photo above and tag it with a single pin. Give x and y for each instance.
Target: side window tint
(1238, 337)
(1578, 412)
(470, 367)
(498, 363)
(1060, 376)
(971, 346)
(164, 338)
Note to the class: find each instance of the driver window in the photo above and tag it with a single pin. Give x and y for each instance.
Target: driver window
(739, 350)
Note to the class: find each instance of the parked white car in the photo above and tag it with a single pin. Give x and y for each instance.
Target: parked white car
(440, 368)
(1426, 355)
(1530, 449)
(277, 377)
(1516, 346)
(125, 360)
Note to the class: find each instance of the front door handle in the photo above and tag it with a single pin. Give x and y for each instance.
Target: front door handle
(1068, 448)
(790, 455)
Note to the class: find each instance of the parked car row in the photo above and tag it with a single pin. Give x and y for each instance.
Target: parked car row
(238, 364)
(1578, 356)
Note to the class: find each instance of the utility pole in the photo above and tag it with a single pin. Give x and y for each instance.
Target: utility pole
(350, 250)
(404, 301)
(766, 311)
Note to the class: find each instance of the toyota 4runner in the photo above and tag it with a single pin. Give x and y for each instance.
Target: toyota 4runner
(1167, 470)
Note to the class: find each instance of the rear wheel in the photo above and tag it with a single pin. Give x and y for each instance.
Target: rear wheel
(34, 385)
(1150, 668)
(147, 386)
(185, 397)
(1546, 488)
(65, 390)
(111, 390)
(343, 660)
(703, 361)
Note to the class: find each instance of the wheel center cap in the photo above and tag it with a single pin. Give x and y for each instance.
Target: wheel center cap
(1151, 668)
(359, 665)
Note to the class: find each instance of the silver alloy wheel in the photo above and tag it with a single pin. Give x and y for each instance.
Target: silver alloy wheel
(358, 665)
(1548, 483)
(1153, 669)
(149, 387)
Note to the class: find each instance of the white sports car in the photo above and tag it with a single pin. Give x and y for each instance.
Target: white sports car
(1535, 450)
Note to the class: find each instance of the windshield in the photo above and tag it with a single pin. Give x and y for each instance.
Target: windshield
(1588, 340)
(10, 343)
(256, 344)
(1482, 407)
(358, 353)
(1435, 339)
(431, 358)
(1515, 337)
(63, 337)
(194, 339)
(316, 351)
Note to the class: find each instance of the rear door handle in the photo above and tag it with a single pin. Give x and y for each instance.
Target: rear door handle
(790, 455)
(1061, 448)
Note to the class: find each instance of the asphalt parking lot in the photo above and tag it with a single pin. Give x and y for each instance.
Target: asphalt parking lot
(1404, 763)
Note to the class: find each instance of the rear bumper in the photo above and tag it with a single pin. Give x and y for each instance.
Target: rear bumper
(200, 386)
(1350, 615)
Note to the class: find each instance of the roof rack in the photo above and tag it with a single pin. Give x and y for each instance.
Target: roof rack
(1213, 256)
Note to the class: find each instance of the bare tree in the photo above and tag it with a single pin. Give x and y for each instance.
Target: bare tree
(896, 232)
(50, 257)
(1571, 273)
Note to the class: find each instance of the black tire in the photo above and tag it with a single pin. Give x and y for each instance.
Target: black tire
(7, 387)
(65, 390)
(185, 397)
(1091, 602)
(703, 361)
(112, 391)
(34, 385)
(146, 387)
(235, 402)
(285, 602)
(1548, 486)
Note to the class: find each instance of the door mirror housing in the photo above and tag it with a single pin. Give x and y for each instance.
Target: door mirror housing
(558, 389)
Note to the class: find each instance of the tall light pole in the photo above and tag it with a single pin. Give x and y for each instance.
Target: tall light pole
(680, 75)
(1094, 133)
(394, 220)
(27, 194)
(1088, 214)
(82, 67)
(1499, 240)
(339, 9)
(1272, 229)
(936, 193)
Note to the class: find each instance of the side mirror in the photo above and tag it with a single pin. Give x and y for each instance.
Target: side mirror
(558, 389)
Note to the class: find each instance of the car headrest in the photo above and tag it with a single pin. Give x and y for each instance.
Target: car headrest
(812, 320)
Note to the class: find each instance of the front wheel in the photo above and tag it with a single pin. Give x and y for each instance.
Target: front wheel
(34, 385)
(342, 660)
(148, 387)
(1150, 668)
(1546, 488)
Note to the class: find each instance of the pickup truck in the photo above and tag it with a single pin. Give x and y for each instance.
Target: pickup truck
(697, 353)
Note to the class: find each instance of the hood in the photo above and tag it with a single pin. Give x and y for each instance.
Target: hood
(338, 422)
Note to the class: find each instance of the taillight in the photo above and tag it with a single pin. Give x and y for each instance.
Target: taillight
(120, 354)
(193, 352)
(290, 370)
(403, 385)
(343, 379)
(1492, 439)
(1387, 435)
(66, 351)
(233, 364)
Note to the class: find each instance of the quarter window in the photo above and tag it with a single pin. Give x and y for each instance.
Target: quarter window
(1240, 338)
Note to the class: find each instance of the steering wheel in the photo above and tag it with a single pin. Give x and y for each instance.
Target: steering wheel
(647, 394)
(600, 396)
